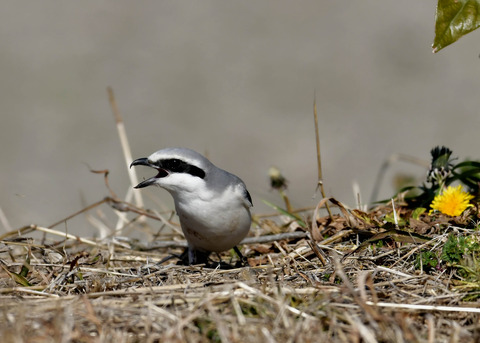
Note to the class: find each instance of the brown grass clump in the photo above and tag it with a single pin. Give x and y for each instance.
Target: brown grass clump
(361, 283)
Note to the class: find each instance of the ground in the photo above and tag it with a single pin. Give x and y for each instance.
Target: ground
(352, 277)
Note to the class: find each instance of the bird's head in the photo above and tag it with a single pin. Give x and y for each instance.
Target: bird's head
(178, 169)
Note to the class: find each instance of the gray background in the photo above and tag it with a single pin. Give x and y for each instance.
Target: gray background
(234, 79)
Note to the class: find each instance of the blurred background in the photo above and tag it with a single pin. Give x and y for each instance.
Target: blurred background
(234, 80)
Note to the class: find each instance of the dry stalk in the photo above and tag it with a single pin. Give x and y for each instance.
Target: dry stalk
(319, 158)
(122, 134)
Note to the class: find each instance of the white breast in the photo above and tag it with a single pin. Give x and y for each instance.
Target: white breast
(215, 222)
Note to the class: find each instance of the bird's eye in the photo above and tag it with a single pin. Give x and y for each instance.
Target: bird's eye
(172, 164)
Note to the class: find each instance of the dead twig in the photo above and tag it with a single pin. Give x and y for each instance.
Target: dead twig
(319, 158)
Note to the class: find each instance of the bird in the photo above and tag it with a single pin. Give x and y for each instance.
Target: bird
(213, 205)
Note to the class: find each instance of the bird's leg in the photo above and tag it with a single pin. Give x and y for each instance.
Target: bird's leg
(191, 256)
(220, 264)
(243, 259)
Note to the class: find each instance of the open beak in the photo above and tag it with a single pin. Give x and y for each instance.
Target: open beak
(144, 162)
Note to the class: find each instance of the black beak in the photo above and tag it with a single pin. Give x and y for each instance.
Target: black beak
(144, 162)
(140, 162)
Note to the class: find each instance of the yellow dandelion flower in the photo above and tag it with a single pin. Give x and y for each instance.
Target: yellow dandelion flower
(452, 201)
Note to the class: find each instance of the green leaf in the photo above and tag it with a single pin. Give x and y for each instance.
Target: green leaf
(16, 277)
(390, 218)
(454, 19)
(25, 268)
(418, 212)
(20, 279)
(453, 249)
(426, 260)
(472, 164)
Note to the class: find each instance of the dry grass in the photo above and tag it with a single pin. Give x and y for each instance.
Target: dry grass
(349, 277)
(296, 290)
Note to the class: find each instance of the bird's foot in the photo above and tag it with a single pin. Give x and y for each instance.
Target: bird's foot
(193, 257)
(243, 262)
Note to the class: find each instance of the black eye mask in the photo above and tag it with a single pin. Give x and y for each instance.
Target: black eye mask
(178, 166)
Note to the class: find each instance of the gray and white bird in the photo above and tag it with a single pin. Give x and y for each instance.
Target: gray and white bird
(212, 204)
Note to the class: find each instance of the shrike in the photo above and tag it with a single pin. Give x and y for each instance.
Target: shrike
(212, 204)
